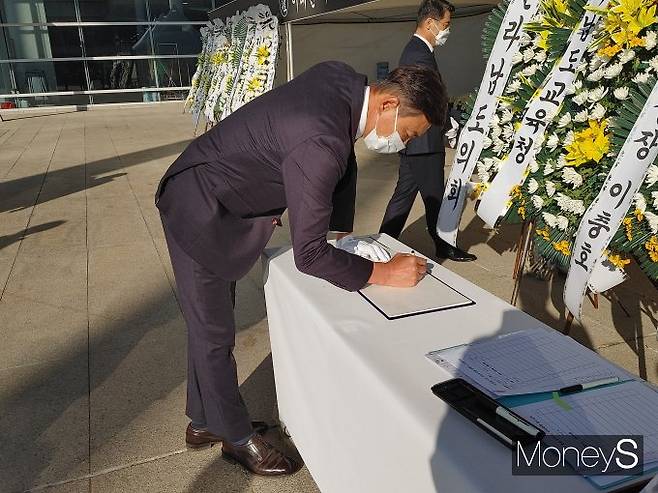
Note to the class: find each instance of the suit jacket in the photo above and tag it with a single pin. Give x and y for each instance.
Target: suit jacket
(292, 147)
(418, 53)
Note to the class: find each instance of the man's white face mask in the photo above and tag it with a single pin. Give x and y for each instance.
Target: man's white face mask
(385, 145)
(441, 37)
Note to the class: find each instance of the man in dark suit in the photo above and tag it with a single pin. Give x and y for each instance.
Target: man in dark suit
(220, 201)
(422, 162)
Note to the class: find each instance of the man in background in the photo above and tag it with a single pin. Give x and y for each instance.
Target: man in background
(422, 161)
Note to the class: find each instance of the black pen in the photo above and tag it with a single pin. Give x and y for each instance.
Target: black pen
(587, 385)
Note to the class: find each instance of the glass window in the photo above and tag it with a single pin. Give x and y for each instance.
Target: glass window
(42, 11)
(126, 97)
(34, 77)
(7, 85)
(113, 10)
(120, 74)
(176, 40)
(117, 40)
(41, 42)
(180, 10)
(175, 72)
(78, 100)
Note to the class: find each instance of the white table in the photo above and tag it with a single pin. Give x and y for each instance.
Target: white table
(353, 389)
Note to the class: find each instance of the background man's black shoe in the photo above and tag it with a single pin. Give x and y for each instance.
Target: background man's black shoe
(446, 250)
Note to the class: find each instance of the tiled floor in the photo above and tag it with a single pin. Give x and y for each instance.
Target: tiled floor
(92, 359)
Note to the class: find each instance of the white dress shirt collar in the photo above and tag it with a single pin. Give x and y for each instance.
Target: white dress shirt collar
(364, 114)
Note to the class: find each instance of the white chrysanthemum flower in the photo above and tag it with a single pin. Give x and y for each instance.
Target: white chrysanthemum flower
(495, 120)
(513, 86)
(540, 57)
(528, 54)
(596, 62)
(486, 142)
(496, 131)
(499, 146)
(533, 185)
(549, 219)
(597, 75)
(578, 85)
(621, 93)
(596, 94)
(569, 138)
(530, 70)
(508, 132)
(562, 223)
(626, 56)
(654, 197)
(581, 116)
(652, 219)
(581, 68)
(550, 188)
(650, 40)
(517, 58)
(488, 163)
(524, 39)
(553, 142)
(598, 112)
(484, 177)
(564, 120)
(561, 161)
(537, 202)
(534, 166)
(507, 116)
(581, 98)
(653, 63)
(613, 71)
(652, 175)
(571, 177)
(548, 169)
(641, 78)
(640, 202)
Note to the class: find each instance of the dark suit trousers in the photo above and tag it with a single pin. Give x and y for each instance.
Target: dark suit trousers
(418, 173)
(207, 302)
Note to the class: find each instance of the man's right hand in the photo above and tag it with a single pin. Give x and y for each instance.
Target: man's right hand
(404, 270)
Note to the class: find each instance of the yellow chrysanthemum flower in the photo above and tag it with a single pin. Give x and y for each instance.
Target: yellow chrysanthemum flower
(588, 145)
(562, 247)
(652, 247)
(543, 233)
(262, 53)
(254, 85)
(617, 260)
(628, 226)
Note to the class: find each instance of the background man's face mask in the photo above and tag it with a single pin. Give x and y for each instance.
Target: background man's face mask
(441, 37)
(385, 145)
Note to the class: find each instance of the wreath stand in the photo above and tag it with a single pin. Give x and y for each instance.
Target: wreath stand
(523, 245)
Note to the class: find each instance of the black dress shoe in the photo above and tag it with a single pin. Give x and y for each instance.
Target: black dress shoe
(196, 438)
(446, 250)
(260, 457)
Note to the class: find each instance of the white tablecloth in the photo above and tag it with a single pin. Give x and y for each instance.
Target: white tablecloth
(353, 389)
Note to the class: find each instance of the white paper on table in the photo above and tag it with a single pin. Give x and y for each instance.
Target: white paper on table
(625, 409)
(429, 295)
(525, 362)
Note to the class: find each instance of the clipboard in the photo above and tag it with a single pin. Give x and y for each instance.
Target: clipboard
(431, 294)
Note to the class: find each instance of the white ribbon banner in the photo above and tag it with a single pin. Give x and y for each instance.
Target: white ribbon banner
(605, 214)
(471, 139)
(539, 113)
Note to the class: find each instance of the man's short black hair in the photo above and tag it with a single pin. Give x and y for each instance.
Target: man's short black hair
(434, 9)
(421, 90)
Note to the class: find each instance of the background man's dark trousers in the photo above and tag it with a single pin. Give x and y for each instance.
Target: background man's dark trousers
(207, 301)
(418, 173)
